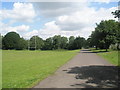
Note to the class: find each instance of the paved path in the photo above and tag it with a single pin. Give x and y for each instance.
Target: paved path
(85, 70)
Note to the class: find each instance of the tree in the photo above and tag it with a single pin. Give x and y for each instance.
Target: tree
(118, 36)
(0, 41)
(36, 42)
(83, 42)
(94, 39)
(88, 42)
(48, 44)
(63, 44)
(105, 34)
(117, 15)
(78, 43)
(11, 40)
(56, 42)
(71, 43)
(23, 44)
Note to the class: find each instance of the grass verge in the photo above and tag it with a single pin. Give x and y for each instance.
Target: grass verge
(111, 56)
(0, 69)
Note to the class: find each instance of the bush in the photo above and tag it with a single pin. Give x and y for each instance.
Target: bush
(114, 46)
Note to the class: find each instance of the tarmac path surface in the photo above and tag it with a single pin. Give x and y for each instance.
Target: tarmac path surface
(85, 70)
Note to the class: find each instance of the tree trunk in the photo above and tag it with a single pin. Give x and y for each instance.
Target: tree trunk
(96, 47)
(106, 50)
(118, 46)
(106, 46)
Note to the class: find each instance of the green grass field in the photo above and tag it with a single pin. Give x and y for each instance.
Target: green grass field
(26, 68)
(111, 56)
(0, 69)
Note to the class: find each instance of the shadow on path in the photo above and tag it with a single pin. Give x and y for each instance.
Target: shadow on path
(94, 52)
(89, 51)
(96, 76)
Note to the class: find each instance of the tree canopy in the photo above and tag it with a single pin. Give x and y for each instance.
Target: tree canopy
(11, 40)
(36, 42)
(105, 34)
(0, 41)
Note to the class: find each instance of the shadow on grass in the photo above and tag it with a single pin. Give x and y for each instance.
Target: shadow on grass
(96, 76)
(86, 50)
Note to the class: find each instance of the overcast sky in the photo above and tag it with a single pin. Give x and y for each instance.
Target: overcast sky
(47, 19)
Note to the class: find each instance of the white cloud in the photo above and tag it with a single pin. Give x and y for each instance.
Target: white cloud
(55, 9)
(19, 29)
(22, 28)
(50, 29)
(71, 19)
(30, 34)
(23, 12)
(102, 1)
(85, 18)
(79, 23)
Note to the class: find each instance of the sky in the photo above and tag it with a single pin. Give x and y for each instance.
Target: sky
(47, 19)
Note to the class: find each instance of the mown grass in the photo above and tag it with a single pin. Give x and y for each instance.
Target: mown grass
(23, 69)
(0, 69)
(111, 56)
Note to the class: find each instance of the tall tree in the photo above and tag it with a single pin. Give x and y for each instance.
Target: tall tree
(117, 15)
(88, 42)
(71, 43)
(64, 41)
(94, 39)
(105, 34)
(0, 41)
(36, 42)
(11, 40)
(48, 44)
(23, 44)
(118, 36)
(56, 42)
(78, 43)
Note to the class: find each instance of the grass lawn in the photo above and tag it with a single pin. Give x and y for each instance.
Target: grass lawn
(23, 69)
(111, 56)
(0, 69)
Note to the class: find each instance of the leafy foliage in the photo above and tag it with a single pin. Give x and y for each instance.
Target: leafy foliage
(116, 13)
(105, 34)
(11, 40)
(0, 41)
(23, 44)
(36, 42)
(48, 44)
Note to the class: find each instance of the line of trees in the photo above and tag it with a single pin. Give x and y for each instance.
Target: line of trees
(12, 40)
(106, 33)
